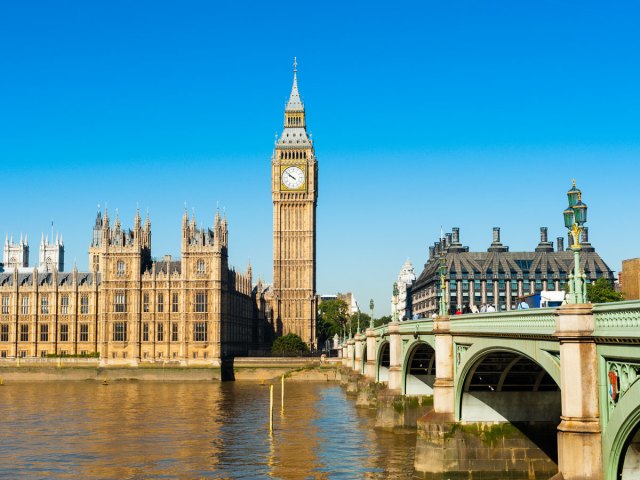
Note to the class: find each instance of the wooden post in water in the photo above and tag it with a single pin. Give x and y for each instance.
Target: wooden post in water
(270, 409)
(282, 396)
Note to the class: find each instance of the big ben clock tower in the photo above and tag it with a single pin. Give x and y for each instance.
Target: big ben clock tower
(294, 186)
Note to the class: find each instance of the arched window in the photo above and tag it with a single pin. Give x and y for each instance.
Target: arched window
(120, 268)
(200, 267)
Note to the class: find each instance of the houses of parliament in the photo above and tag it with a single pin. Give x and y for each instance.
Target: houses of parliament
(130, 308)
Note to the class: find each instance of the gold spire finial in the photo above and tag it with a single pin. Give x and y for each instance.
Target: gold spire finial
(573, 183)
(579, 196)
(295, 65)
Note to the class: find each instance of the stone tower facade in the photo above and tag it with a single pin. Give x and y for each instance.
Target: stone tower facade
(51, 254)
(294, 186)
(16, 255)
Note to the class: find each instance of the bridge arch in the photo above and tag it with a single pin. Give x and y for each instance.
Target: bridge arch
(363, 361)
(621, 440)
(383, 361)
(418, 369)
(502, 383)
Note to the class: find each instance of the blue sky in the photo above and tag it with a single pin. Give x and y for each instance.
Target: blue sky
(472, 114)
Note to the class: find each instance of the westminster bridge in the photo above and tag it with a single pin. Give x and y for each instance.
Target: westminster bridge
(558, 384)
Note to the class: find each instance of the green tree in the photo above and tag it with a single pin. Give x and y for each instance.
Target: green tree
(291, 345)
(382, 321)
(601, 291)
(353, 320)
(332, 316)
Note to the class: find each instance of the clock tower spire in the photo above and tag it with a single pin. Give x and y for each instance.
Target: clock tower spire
(294, 187)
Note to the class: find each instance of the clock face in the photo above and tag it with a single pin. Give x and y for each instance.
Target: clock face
(293, 177)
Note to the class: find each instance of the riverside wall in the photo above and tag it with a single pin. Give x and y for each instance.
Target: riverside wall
(240, 369)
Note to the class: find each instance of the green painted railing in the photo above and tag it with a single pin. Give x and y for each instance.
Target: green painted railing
(538, 321)
(617, 319)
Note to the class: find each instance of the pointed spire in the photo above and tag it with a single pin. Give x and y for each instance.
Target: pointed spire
(6, 239)
(61, 242)
(147, 221)
(295, 103)
(42, 239)
(26, 239)
(75, 265)
(137, 219)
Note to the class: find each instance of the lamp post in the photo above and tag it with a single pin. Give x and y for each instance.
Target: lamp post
(395, 302)
(575, 216)
(442, 310)
(371, 308)
(358, 307)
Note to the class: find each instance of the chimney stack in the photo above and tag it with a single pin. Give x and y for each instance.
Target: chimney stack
(585, 235)
(447, 237)
(456, 234)
(545, 245)
(543, 235)
(560, 244)
(496, 235)
(431, 252)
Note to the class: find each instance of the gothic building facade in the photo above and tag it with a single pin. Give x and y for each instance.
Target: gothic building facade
(130, 308)
(498, 276)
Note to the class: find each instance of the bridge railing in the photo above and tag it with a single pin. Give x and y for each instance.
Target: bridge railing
(617, 319)
(538, 321)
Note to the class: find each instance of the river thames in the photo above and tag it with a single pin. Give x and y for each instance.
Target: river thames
(193, 430)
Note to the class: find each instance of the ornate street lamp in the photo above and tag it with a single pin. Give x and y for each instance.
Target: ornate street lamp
(395, 302)
(575, 216)
(371, 308)
(358, 307)
(443, 310)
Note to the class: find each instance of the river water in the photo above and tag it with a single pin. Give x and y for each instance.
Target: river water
(193, 430)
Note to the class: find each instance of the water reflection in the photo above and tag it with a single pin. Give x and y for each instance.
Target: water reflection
(192, 430)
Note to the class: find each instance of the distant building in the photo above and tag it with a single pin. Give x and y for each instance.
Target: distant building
(499, 276)
(16, 255)
(406, 277)
(348, 298)
(630, 279)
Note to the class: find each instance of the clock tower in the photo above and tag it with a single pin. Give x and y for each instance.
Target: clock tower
(294, 187)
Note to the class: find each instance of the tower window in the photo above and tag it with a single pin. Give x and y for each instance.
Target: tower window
(44, 305)
(201, 302)
(84, 332)
(120, 268)
(25, 306)
(200, 267)
(64, 332)
(160, 328)
(24, 332)
(174, 332)
(120, 302)
(160, 303)
(64, 305)
(4, 333)
(84, 304)
(44, 332)
(145, 303)
(200, 332)
(120, 332)
(175, 303)
(5, 304)
(145, 332)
